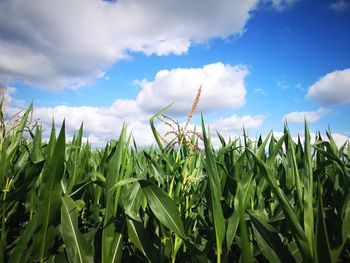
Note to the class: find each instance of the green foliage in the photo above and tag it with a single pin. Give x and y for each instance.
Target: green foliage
(77, 247)
(267, 200)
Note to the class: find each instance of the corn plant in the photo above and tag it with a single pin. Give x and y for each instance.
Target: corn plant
(267, 200)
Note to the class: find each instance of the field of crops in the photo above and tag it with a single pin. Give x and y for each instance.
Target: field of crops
(267, 200)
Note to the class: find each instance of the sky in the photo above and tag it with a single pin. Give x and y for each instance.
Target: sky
(260, 63)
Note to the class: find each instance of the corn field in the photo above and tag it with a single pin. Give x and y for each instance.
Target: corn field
(267, 200)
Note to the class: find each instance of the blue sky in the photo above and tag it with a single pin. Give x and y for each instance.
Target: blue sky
(105, 63)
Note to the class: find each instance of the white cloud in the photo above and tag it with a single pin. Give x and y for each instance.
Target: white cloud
(333, 88)
(298, 116)
(55, 44)
(9, 93)
(281, 5)
(100, 123)
(223, 87)
(232, 127)
(340, 5)
(339, 139)
(235, 123)
(6, 92)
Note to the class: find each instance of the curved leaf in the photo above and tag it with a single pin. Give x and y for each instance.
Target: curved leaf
(163, 207)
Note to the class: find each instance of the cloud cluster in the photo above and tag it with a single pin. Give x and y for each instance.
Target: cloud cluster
(236, 123)
(9, 96)
(299, 116)
(100, 123)
(222, 87)
(69, 43)
(333, 88)
(103, 124)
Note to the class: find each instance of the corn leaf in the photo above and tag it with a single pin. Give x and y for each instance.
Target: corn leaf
(268, 240)
(140, 238)
(21, 248)
(78, 249)
(50, 197)
(163, 207)
(297, 230)
(8, 152)
(215, 193)
(322, 241)
(308, 192)
(112, 198)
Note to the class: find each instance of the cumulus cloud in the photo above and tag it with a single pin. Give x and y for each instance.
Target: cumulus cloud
(298, 116)
(340, 5)
(333, 88)
(339, 139)
(235, 123)
(222, 87)
(55, 44)
(232, 127)
(103, 124)
(100, 123)
(9, 93)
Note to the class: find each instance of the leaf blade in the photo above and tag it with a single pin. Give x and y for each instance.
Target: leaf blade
(78, 249)
(163, 207)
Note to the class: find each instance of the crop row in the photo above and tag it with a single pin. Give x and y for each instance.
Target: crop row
(267, 200)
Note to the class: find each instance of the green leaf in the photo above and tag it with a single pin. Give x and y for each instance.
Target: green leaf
(345, 229)
(308, 192)
(117, 247)
(100, 183)
(261, 151)
(246, 250)
(153, 128)
(268, 240)
(241, 199)
(140, 238)
(74, 160)
(112, 198)
(296, 229)
(132, 201)
(78, 249)
(8, 151)
(50, 196)
(322, 241)
(52, 141)
(36, 155)
(125, 182)
(276, 149)
(215, 193)
(163, 207)
(295, 171)
(19, 252)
